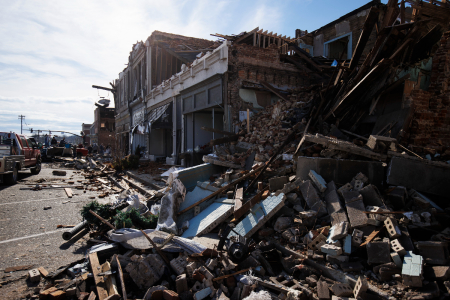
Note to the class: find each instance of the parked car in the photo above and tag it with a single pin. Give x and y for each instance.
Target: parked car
(18, 153)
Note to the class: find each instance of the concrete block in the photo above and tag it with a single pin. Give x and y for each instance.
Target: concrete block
(355, 209)
(206, 272)
(358, 185)
(277, 183)
(259, 215)
(318, 181)
(181, 283)
(311, 197)
(345, 188)
(145, 271)
(34, 275)
(412, 270)
(392, 228)
(360, 287)
(202, 294)
(191, 267)
(397, 247)
(397, 196)
(359, 177)
(331, 250)
(282, 224)
(440, 273)
(332, 201)
(427, 176)
(340, 170)
(197, 287)
(342, 289)
(338, 217)
(347, 246)
(371, 196)
(322, 290)
(357, 237)
(378, 253)
(311, 281)
(340, 231)
(396, 259)
(179, 264)
(211, 264)
(317, 242)
(435, 253)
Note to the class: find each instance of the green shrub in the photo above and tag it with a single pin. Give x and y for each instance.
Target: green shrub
(134, 218)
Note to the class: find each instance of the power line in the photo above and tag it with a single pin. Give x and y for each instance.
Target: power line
(21, 119)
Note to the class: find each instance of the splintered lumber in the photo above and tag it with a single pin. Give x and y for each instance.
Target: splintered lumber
(247, 205)
(92, 296)
(68, 192)
(215, 161)
(156, 248)
(216, 131)
(229, 275)
(221, 190)
(122, 282)
(18, 268)
(273, 90)
(100, 283)
(371, 19)
(110, 280)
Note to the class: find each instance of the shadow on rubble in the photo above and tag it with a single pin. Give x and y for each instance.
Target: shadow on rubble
(75, 239)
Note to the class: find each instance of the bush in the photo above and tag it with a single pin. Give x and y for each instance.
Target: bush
(103, 210)
(134, 218)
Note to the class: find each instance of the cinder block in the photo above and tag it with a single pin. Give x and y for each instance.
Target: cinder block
(179, 264)
(318, 181)
(34, 275)
(342, 290)
(397, 247)
(339, 231)
(332, 201)
(338, 217)
(360, 287)
(322, 290)
(331, 250)
(396, 259)
(181, 283)
(317, 242)
(357, 237)
(392, 228)
(371, 196)
(202, 294)
(345, 188)
(355, 209)
(347, 247)
(435, 253)
(378, 253)
(311, 197)
(206, 272)
(191, 267)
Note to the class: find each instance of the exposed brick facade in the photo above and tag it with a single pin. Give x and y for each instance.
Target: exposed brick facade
(254, 64)
(431, 121)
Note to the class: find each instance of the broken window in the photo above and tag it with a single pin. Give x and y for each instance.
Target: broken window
(333, 49)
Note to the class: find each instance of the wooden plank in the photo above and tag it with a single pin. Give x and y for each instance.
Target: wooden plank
(238, 198)
(110, 280)
(122, 282)
(273, 90)
(221, 190)
(99, 280)
(371, 19)
(214, 161)
(43, 271)
(235, 273)
(92, 296)
(371, 237)
(243, 37)
(103, 220)
(247, 205)
(68, 192)
(307, 59)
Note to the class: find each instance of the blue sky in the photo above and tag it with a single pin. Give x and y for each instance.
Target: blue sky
(53, 51)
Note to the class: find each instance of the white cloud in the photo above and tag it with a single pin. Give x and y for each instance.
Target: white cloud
(53, 51)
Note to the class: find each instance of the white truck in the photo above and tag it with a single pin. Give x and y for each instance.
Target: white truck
(17, 153)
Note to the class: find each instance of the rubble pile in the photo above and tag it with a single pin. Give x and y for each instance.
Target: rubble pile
(302, 201)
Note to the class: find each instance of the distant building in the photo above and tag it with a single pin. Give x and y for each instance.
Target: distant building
(86, 128)
(102, 131)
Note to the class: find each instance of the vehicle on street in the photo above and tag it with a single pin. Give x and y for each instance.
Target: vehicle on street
(17, 153)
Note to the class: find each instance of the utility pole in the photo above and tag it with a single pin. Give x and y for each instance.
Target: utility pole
(21, 119)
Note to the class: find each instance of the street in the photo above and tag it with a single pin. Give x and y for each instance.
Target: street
(29, 234)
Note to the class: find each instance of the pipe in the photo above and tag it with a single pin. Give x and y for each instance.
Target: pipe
(67, 235)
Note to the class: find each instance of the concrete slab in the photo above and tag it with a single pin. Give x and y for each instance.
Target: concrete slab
(427, 177)
(340, 170)
(311, 197)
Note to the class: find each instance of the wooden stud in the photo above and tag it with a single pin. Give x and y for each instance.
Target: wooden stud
(68, 192)
(99, 280)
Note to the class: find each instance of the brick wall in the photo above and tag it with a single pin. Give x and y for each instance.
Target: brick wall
(431, 121)
(256, 64)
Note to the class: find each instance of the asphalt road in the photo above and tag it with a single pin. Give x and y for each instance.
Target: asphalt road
(29, 234)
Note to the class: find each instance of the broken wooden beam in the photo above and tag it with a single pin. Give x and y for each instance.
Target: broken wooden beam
(100, 283)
